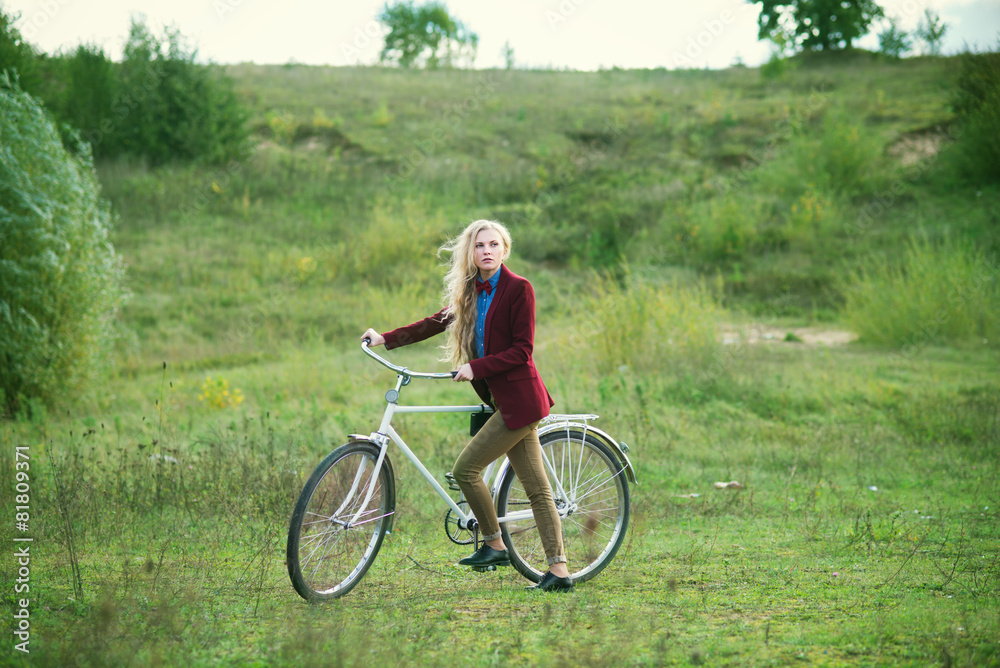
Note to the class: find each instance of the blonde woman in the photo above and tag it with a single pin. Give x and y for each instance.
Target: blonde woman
(490, 324)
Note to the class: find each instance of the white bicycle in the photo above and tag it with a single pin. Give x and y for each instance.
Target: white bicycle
(348, 504)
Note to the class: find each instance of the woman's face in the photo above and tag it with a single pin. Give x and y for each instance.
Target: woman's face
(489, 252)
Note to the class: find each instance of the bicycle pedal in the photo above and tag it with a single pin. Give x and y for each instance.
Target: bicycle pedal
(489, 567)
(452, 484)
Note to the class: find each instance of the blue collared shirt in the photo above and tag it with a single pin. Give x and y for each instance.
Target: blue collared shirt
(483, 302)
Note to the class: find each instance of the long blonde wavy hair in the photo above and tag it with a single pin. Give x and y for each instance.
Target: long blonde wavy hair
(460, 289)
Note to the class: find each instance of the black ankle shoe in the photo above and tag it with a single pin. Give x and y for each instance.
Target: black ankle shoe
(551, 582)
(486, 556)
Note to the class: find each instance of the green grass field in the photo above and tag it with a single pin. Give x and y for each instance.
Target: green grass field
(679, 228)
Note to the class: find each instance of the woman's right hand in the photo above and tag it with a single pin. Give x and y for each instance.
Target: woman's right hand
(376, 338)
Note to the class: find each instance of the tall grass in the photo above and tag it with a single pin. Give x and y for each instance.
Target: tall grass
(935, 295)
(645, 325)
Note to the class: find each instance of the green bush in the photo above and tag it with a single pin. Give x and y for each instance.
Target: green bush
(977, 104)
(60, 278)
(169, 107)
(841, 156)
(157, 104)
(722, 229)
(939, 295)
(776, 67)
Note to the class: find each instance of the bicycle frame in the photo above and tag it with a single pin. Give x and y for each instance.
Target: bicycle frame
(386, 433)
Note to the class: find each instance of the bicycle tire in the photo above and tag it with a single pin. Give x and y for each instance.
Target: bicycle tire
(327, 556)
(595, 483)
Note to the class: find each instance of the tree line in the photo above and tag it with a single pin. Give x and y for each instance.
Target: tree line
(157, 104)
(829, 25)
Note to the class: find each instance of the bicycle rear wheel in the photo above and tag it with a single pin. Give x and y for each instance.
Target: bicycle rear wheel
(596, 503)
(332, 540)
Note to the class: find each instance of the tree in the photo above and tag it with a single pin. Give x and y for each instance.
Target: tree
(425, 35)
(60, 278)
(508, 55)
(893, 41)
(169, 106)
(931, 30)
(16, 55)
(91, 87)
(818, 24)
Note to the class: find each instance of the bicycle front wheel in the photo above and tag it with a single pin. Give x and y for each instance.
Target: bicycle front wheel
(594, 510)
(332, 538)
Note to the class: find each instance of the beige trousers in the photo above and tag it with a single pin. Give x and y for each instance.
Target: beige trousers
(525, 454)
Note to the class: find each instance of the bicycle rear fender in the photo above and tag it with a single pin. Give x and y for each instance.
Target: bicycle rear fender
(359, 438)
(583, 428)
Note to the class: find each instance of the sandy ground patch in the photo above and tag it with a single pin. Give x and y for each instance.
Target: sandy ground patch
(917, 147)
(808, 336)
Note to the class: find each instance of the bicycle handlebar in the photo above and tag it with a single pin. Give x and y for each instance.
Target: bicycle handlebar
(401, 370)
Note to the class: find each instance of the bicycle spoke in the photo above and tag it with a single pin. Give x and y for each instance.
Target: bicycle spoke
(334, 537)
(596, 512)
(574, 519)
(607, 483)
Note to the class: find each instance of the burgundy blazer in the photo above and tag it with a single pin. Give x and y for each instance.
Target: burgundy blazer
(507, 366)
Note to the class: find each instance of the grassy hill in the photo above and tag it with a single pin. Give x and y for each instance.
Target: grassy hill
(679, 174)
(686, 233)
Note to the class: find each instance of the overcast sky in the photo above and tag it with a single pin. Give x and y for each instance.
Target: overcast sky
(576, 34)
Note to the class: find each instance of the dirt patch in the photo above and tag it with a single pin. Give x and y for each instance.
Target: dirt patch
(803, 336)
(916, 147)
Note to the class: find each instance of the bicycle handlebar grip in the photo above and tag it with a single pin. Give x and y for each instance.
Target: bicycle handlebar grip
(453, 373)
(367, 340)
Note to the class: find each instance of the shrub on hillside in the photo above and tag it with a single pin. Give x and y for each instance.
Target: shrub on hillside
(60, 278)
(169, 107)
(937, 295)
(840, 156)
(157, 104)
(720, 230)
(977, 104)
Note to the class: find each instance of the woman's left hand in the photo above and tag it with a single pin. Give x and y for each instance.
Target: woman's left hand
(464, 373)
